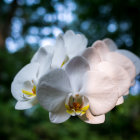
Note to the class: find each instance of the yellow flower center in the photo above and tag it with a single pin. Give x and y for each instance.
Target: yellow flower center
(76, 106)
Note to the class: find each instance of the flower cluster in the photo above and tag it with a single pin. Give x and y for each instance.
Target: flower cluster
(69, 79)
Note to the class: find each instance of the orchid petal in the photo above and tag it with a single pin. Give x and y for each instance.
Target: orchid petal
(110, 44)
(92, 57)
(75, 70)
(89, 118)
(135, 59)
(74, 43)
(44, 59)
(45, 65)
(120, 100)
(59, 53)
(60, 116)
(101, 48)
(23, 80)
(105, 54)
(52, 90)
(119, 75)
(26, 104)
(104, 86)
(39, 55)
(123, 61)
(50, 48)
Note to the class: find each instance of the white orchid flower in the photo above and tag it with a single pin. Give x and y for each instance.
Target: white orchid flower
(23, 87)
(24, 84)
(107, 51)
(66, 47)
(77, 90)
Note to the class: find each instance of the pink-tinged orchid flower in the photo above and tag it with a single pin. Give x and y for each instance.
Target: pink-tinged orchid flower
(106, 50)
(82, 91)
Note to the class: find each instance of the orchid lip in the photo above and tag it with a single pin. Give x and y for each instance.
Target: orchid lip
(30, 93)
(76, 105)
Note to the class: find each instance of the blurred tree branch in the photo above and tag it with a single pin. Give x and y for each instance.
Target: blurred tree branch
(5, 27)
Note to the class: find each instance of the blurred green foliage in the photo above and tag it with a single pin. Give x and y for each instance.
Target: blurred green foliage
(92, 17)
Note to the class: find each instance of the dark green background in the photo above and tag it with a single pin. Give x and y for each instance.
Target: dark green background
(97, 19)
